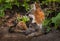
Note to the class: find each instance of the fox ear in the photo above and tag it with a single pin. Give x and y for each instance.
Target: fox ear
(37, 4)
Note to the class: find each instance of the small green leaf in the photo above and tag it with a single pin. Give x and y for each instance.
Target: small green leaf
(2, 13)
(25, 19)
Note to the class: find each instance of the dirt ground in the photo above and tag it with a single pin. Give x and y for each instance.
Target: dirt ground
(51, 36)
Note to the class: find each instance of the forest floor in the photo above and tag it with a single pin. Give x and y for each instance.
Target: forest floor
(51, 36)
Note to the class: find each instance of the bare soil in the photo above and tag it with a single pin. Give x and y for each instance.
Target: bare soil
(6, 36)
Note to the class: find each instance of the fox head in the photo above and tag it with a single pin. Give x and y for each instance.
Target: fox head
(35, 5)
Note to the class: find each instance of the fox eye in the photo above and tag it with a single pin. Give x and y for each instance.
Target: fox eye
(31, 19)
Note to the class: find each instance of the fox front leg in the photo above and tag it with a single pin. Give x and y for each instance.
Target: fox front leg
(40, 28)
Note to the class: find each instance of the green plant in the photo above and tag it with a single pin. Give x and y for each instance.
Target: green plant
(2, 13)
(46, 24)
(26, 5)
(24, 19)
(56, 20)
(5, 4)
(8, 4)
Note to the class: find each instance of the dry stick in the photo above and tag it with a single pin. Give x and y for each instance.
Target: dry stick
(29, 11)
